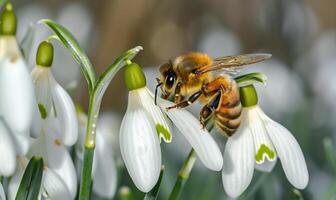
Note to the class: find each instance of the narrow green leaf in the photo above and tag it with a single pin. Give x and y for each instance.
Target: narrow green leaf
(153, 194)
(77, 52)
(31, 181)
(105, 79)
(27, 42)
(248, 79)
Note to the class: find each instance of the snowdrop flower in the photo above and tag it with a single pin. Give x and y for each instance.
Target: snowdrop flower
(145, 123)
(17, 97)
(104, 171)
(59, 175)
(56, 123)
(52, 100)
(258, 142)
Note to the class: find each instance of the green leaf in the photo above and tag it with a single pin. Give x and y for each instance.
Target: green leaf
(105, 79)
(248, 79)
(27, 42)
(77, 52)
(153, 194)
(31, 181)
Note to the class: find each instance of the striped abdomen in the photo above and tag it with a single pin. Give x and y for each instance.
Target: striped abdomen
(227, 118)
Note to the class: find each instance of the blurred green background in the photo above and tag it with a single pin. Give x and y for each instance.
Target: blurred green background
(300, 92)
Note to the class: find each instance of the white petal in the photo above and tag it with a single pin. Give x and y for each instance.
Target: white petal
(17, 95)
(2, 193)
(104, 171)
(43, 109)
(53, 186)
(200, 139)
(9, 47)
(289, 152)
(59, 160)
(265, 154)
(7, 151)
(140, 147)
(161, 122)
(22, 144)
(66, 113)
(238, 161)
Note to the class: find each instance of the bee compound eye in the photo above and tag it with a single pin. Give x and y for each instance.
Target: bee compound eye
(170, 79)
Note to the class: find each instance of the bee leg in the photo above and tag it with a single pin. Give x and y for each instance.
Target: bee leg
(178, 96)
(186, 103)
(209, 109)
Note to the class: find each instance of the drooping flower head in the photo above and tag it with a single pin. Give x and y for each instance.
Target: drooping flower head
(17, 94)
(258, 142)
(56, 122)
(145, 123)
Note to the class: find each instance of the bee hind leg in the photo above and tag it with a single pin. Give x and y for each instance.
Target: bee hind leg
(186, 103)
(209, 109)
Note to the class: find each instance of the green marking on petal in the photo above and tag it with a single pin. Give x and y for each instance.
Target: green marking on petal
(43, 111)
(264, 149)
(163, 133)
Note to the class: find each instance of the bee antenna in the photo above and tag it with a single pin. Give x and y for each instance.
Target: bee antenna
(156, 88)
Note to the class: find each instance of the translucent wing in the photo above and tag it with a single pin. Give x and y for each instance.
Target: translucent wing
(233, 64)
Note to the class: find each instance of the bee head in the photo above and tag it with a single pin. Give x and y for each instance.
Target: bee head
(168, 79)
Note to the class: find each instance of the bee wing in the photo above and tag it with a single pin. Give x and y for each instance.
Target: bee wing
(233, 64)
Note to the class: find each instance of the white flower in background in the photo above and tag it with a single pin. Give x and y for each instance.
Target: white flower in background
(59, 175)
(286, 82)
(258, 142)
(144, 123)
(104, 171)
(57, 126)
(17, 95)
(53, 101)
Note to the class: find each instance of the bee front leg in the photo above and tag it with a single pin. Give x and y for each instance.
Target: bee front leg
(178, 96)
(186, 103)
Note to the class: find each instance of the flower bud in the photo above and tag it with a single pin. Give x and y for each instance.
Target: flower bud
(8, 20)
(45, 54)
(248, 96)
(134, 76)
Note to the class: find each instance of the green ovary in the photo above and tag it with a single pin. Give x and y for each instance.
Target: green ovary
(43, 111)
(163, 132)
(264, 149)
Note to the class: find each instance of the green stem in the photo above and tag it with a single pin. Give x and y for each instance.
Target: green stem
(153, 194)
(85, 186)
(183, 175)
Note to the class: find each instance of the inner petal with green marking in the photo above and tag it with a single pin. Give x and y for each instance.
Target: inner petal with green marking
(163, 133)
(43, 111)
(264, 151)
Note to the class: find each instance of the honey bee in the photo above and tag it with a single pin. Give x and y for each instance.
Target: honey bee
(192, 75)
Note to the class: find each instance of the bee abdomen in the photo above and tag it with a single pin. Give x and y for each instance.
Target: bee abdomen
(227, 118)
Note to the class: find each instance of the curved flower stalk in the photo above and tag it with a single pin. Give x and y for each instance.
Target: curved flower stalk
(104, 171)
(258, 142)
(17, 94)
(144, 123)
